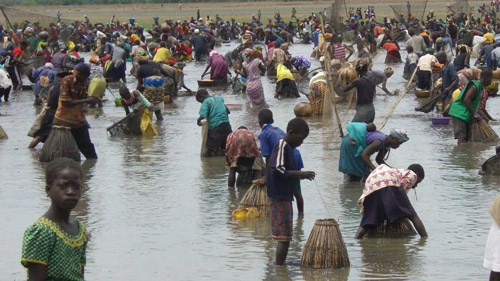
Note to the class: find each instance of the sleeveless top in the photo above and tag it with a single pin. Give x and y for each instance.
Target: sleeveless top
(366, 90)
(376, 135)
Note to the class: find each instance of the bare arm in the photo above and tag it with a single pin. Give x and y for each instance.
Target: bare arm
(370, 150)
(205, 72)
(352, 85)
(36, 272)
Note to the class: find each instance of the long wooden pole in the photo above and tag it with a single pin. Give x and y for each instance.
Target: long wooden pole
(397, 102)
(330, 79)
(7, 18)
(425, 8)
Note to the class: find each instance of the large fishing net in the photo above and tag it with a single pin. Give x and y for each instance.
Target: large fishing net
(336, 14)
(11, 16)
(417, 10)
(460, 6)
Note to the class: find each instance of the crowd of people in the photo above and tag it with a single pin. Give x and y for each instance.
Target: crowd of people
(439, 54)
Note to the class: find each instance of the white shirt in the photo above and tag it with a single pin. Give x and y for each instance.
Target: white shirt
(5, 81)
(425, 62)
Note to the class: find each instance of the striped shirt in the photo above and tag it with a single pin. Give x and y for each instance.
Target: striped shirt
(279, 183)
(339, 51)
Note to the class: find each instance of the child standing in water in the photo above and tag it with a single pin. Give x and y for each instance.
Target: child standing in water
(54, 246)
(282, 177)
(268, 138)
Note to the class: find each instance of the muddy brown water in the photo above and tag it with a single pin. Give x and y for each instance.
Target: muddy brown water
(156, 211)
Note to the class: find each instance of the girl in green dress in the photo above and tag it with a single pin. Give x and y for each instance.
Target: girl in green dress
(54, 246)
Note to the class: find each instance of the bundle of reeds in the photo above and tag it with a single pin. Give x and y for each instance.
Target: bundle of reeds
(256, 196)
(325, 247)
(60, 143)
(401, 228)
(3, 134)
(480, 131)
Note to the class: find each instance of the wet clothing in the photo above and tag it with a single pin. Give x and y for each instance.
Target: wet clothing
(279, 183)
(63, 254)
(365, 111)
(71, 116)
(241, 143)
(147, 69)
(390, 204)
(384, 196)
(48, 118)
(268, 138)
(365, 90)
(214, 109)
(459, 110)
(216, 137)
(448, 77)
(218, 67)
(254, 90)
(199, 45)
(350, 161)
(424, 81)
(281, 213)
(74, 116)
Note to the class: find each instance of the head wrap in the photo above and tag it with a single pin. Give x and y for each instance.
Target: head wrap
(196, 31)
(389, 71)
(94, 59)
(214, 52)
(400, 134)
(49, 66)
(429, 50)
(488, 38)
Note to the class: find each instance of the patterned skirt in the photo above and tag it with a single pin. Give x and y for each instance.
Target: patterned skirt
(155, 95)
(316, 96)
(281, 212)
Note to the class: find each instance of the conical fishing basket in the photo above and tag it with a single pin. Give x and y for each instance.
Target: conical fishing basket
(325, 247)
(397, 229)
(256, 196)
(3, 134)
(60, 143)
(480, 131)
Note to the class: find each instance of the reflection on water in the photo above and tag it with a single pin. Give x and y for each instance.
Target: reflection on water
(155, 210)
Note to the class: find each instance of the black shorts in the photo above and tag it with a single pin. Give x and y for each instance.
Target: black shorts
(216, 138)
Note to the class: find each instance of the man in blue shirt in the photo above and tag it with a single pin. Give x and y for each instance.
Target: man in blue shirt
(216, 112)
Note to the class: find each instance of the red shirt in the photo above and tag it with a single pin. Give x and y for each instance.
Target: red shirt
(17, 52)
(390, 47)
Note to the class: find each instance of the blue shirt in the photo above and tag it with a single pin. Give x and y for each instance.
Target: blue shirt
(316, 38)
(214, 109)
(280, 185)
(269, 137)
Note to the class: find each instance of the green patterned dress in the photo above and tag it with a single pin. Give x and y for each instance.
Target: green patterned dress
(63, 254)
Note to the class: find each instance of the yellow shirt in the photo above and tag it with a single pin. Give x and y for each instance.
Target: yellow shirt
(162, 54)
